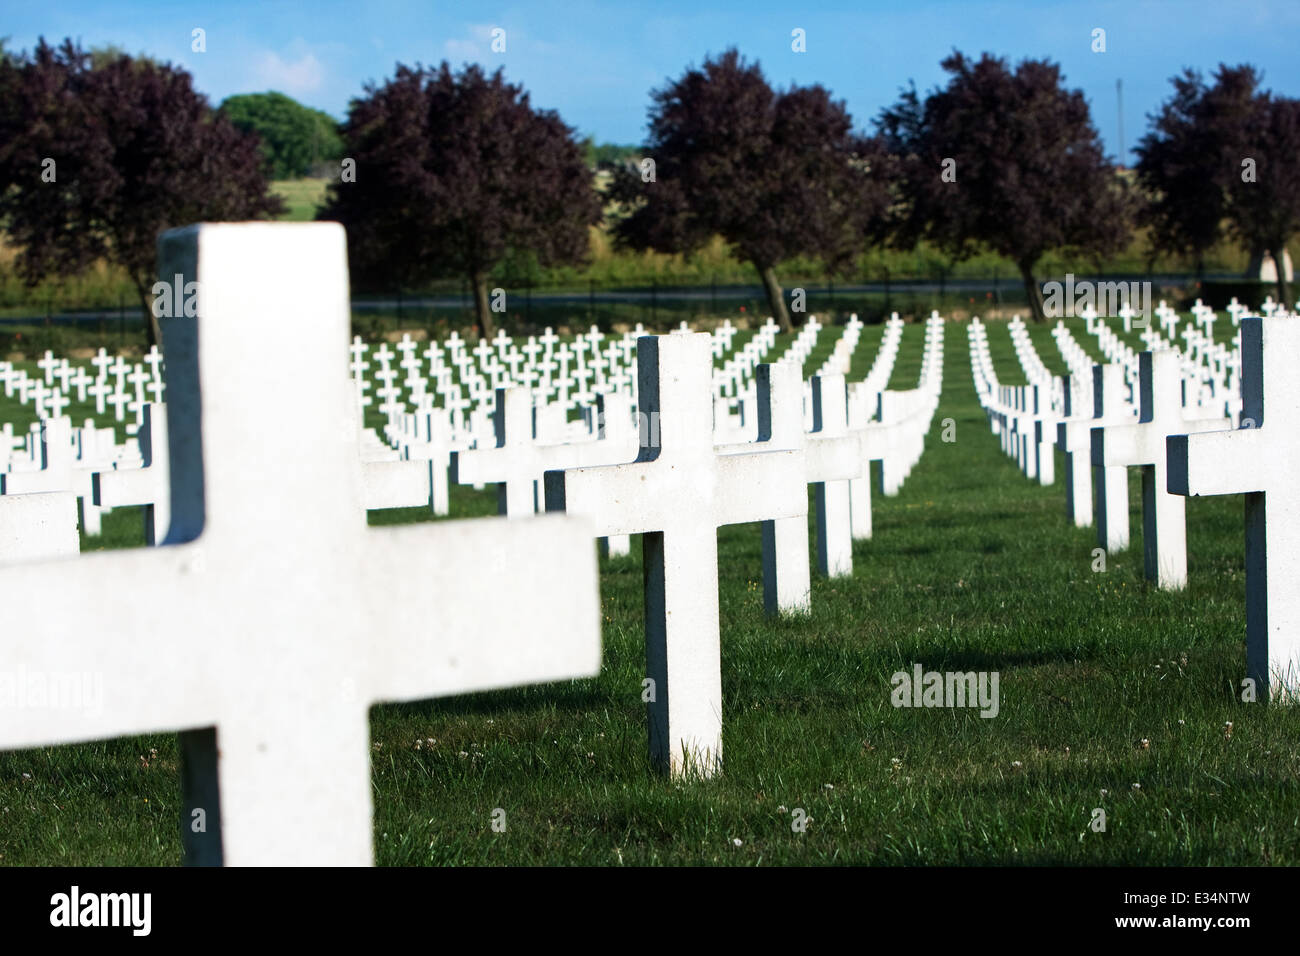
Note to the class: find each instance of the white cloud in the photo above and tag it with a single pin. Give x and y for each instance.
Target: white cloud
(473, 49)
(297, 77)
(458, 50)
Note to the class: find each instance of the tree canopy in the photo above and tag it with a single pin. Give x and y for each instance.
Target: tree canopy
(453, 172)
(96, 162)
(1223, 153)
(296, 140)
(1008, 159)
(775, 173)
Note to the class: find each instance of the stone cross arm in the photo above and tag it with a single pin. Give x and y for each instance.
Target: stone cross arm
(1227, 463)
(1141, 443)
(641, 497)
(468, 639)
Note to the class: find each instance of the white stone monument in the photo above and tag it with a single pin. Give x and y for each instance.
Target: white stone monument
(259, 636)
(677, 494)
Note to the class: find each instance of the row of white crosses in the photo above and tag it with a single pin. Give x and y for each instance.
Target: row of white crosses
(682, 487)
(56, 457)
(1259, 459)
(736, 371)
(426, 436)
(1182, 453)
(1023, 416)
(259, 641)
(116, 384)
(468, 422)
(1108, 411)
(1037, 421)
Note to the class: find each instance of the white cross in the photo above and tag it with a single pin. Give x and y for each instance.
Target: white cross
(99, 391)
(1261, 460)
(48, 364)
(63, 373)
(138, 378)
(153, 358)
(119, 400)
(511, 462)
(261, 636)
(39, 393)
(1074, 439)
(548, 339)
(59, 471)
(56, 403)
(1142, 444)
(677, 494)
(787, 578)
(80, 381)
(358, 351)
(532, 350)
(831, 456)
(101, 361)
(518, 463)
(148, 486)
(1110, 407)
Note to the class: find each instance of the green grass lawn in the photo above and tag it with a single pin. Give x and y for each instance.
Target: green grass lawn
(302, 197)
(1113, 696)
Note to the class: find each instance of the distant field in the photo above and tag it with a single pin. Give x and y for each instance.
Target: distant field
(302, 197)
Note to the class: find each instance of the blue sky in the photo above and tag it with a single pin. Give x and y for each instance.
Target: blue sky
(596, 63)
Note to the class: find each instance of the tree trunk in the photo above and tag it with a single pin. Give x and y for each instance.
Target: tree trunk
(152, 333)
(775, 297)
(1033, 291)
(482, 305)
(1283, 287)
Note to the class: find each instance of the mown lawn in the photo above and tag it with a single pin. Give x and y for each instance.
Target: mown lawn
(302, 197)
(1112, 696)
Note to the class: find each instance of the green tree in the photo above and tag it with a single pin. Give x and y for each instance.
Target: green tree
(295, 139)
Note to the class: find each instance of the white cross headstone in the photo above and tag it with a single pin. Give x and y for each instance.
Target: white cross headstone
(1261, 460)
(260, 636)
(676, 495)
(1142, 444)
(148, 486)
(787, 574)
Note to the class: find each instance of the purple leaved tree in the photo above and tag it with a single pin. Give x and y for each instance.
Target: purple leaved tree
(98, 158)
(452, 173)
